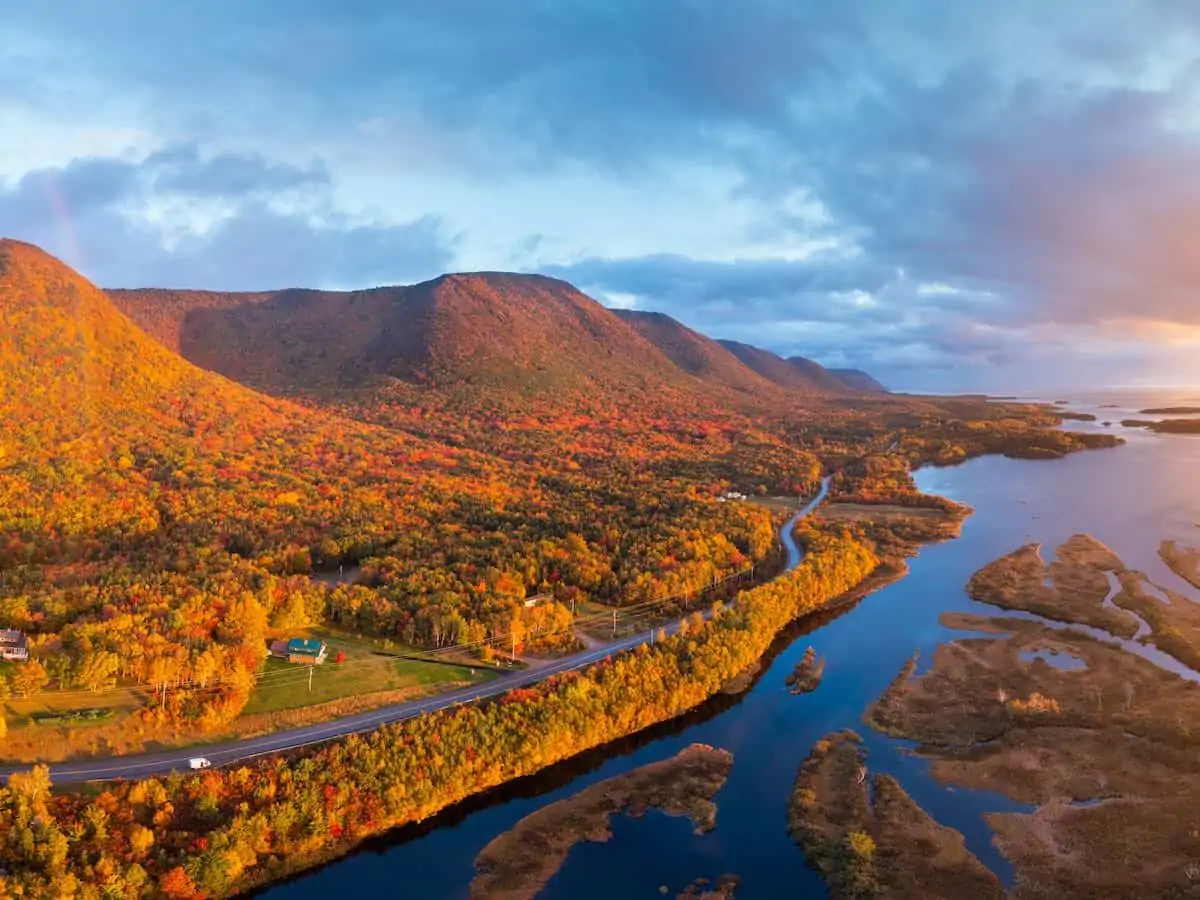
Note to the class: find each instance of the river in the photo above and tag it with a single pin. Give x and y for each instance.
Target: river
(1130, 497)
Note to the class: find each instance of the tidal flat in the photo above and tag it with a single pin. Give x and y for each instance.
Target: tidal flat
(1183, 561)
(1103, 753)
(867, 836)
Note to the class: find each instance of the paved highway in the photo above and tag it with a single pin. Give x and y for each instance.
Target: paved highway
(145, 765)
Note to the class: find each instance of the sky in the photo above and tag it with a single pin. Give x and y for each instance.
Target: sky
(953, 196)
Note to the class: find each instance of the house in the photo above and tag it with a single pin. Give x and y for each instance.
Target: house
(306, 651)
(278, 649)
(14, 646)
(537, 600)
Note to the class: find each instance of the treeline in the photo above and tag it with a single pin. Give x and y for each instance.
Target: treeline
(224, 830)
(153, 570)
(153, 517)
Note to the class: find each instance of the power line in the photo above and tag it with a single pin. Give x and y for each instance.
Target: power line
(633, 612)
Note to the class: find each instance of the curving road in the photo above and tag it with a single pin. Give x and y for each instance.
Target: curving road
(146, 765)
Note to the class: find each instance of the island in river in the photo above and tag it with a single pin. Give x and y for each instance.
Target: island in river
(519, 863)
(1165, 426)
(806, 677)
(870, 839)
(1057, 710)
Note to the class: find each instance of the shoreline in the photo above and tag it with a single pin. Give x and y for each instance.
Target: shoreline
(887, 571)
(518, 863)
(562, 773)
(839, 569)
(255, 887)
(1094, 739)
(772, 567)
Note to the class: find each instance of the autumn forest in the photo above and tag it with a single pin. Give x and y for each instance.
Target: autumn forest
(496, 459)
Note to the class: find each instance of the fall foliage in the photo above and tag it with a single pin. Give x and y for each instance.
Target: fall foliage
(223, 830)
(465, 445)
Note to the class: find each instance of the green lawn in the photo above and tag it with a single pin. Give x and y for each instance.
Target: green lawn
(590, 608)
(286, 686)
(778, 504)
(23, 710)
(283, 685)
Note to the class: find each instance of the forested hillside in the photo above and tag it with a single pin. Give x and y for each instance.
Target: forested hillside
(157, 519)
(696, 354)
(491, 438)
(859, 380)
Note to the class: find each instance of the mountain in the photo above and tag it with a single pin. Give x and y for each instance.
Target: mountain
(693, 352)
(526, 332)
(506, 336)
(111, 440)
(162, 313)
(859, 380)
(70, 363)
(795, 374)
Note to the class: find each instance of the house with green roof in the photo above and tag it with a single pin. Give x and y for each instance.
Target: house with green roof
(307, 651)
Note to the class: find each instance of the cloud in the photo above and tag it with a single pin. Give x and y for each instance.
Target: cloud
(104, 215)
(837, 309)
(878, 148)
(181, 170)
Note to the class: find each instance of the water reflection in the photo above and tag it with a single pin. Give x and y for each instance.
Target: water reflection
(1131, 498)
(544, 786)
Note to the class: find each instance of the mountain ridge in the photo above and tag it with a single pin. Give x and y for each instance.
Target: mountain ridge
(456, 328)
(694, 352)
(795, 374)
(527, 332)
(861, 380)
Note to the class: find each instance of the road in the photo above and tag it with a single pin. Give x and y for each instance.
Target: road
(146, 765)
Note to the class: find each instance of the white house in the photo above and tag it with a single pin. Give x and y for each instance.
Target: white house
(14, 646)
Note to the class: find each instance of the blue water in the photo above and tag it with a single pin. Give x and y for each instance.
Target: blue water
(1064, 661)
(1130, 497)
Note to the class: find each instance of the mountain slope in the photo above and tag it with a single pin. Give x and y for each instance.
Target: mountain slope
(693, 352)
(111, 437)
(795, 374)
(507, 335)
(817, 374)
(160, 512)
(526, 332)
(161, 313)
(68, 359)
(859, 380)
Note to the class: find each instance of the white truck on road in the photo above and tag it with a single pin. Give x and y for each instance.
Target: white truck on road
(199, 762)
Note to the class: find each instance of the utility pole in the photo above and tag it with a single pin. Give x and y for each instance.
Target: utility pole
(614, 623)
(514, 645)
(310, 671)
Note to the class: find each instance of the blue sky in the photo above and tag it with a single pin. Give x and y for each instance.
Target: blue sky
(951, 195)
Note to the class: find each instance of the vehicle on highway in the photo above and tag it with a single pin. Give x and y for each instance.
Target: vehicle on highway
(199, 762)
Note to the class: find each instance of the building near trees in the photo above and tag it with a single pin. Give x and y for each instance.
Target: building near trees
(14, 646)
(306, 651)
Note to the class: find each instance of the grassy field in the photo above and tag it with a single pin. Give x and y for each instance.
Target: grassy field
(78, 724)
(24, 710)
(365, 670)
(787, 505)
